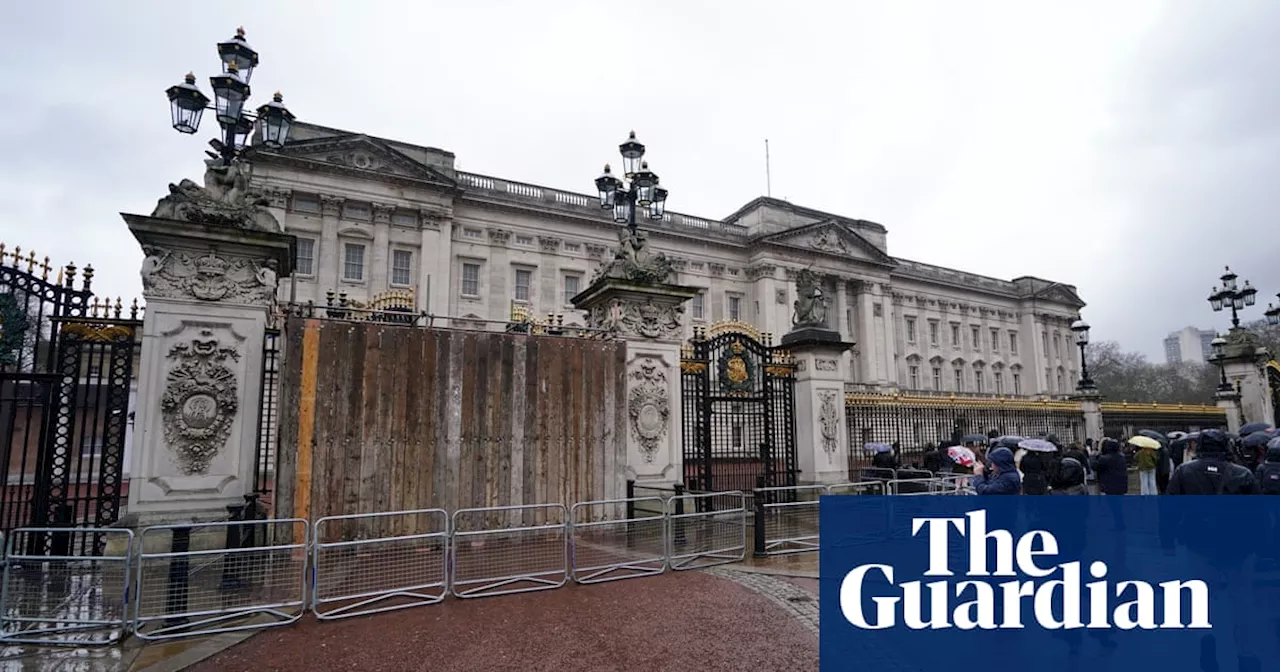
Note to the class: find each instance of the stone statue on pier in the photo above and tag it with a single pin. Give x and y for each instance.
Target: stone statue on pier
(636, 261)
(226, 199)
(811, 307)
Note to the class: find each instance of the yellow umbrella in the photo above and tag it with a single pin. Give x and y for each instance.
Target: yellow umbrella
(1144, 442)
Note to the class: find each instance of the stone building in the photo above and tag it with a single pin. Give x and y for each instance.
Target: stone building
(373, 215)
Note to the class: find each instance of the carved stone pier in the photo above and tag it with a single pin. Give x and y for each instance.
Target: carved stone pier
(210, 288)
(650, 316)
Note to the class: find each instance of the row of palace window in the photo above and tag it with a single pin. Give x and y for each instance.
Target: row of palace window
(979, 381)
(975, 335)
(354, 262)
(522, 290)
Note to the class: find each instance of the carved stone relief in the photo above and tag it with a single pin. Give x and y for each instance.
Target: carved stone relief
(825, 365)
(549, 243)
(499, 236)
(595, 251)
(209, 277)
(648, 406)
(829, 421)
(643, 319)
(716, 269)
(226, 200)
(780, 296)
(200, 401)
(828, 240)
(382, 213)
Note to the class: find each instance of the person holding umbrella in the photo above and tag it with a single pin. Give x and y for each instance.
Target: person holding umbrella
(1036, 472)
(1146, 460)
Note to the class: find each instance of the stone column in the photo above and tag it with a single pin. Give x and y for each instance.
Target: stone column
(435, 273)
(210, 290)
(1229, 400)
(650, 317)
(1091, 406)
(822, 436)
(1245, 360)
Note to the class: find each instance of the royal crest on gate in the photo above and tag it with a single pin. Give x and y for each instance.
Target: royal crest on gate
(737, 371)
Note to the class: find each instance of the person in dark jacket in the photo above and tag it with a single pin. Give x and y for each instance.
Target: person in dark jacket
(1035, 473)
(1212, 472)
(933, 458)
(885, 460)
(1070, 477)
(1163, 470)
(1004, 481)
(1112, 470)
(1268, 473)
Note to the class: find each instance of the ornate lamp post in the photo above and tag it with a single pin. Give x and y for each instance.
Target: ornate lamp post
(1229, 295)
(1273, 313)
(231, 91)
(1081, 329)
(640, 190)
(1219, 346)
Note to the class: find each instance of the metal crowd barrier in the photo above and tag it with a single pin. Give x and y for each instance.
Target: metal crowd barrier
(711, 531)
(786, 519)
(858, 488)
(376, 562)
(509, 549)
(615, 539)
(215, 588)
(63, 599)
(876, 474)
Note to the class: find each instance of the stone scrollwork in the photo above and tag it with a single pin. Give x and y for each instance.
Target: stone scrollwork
(648, 406)
(226, 200)
(829, 421)
(645, 319)
(209, 277)
(200, 401)
(825, 365)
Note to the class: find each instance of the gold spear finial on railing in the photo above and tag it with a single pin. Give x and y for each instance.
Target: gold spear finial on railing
(1, 254)
(119, 307)
(133, 309)
(16, 255)
(93, 308)
(31, 261)
(44, 270)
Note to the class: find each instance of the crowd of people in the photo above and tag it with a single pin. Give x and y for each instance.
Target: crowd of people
(1205, 463)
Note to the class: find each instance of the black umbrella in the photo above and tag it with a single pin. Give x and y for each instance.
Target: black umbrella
(1254, 427)
(1256, 440)
(1010, 442)
(1152, 434)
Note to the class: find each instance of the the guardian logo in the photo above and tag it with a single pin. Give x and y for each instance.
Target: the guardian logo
(1054, 603)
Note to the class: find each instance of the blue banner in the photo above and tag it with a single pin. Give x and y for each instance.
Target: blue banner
(1097, 583)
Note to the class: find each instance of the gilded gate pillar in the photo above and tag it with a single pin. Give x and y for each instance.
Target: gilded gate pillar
(210, 287)
(650, 317)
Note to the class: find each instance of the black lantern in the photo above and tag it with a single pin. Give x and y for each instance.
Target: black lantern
(275, 121)
(1273, 313)
(186, 103)
(230, 92)
(644, 181)
(631, 151)
(1249, 294)
(608, 186)
(657, 209)
(237, 53)
(1215, 299)
(243, 128)
(1219, 347)
(622, 208)
(1081, 329)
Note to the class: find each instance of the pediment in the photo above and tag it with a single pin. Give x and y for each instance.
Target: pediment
(830, 237)
(1060, 294)
(360, 154)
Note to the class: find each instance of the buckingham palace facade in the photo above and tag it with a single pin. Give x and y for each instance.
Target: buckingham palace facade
(373, 215)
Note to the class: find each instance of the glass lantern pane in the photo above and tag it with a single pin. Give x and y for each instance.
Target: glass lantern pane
(644, 196)
(621, 211)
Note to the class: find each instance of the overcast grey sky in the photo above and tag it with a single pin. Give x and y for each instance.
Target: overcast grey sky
(1130, 148)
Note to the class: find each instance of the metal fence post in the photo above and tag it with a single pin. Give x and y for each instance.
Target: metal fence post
(631, 512)
(679, 526)
(757, 528)
(179, 575)
(60, 543)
